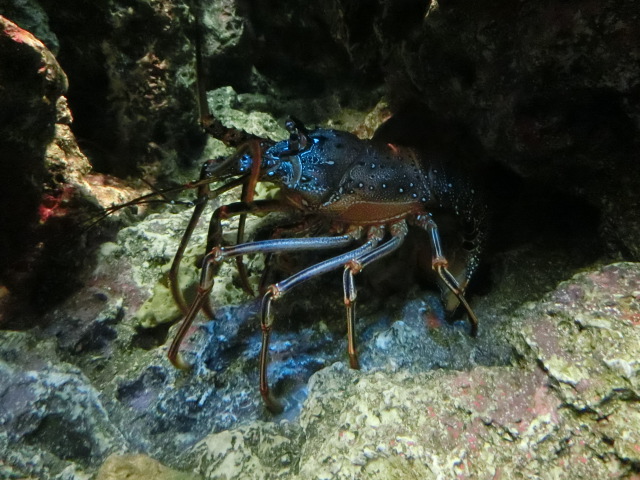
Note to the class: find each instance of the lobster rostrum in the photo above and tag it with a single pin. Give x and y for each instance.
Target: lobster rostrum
(366, 194)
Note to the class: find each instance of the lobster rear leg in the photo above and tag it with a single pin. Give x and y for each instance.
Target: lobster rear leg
(439, 263)
(350, 296)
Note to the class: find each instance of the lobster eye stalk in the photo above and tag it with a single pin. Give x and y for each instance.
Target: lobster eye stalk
(298, 136)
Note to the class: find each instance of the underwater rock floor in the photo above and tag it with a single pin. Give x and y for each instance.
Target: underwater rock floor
(549, 388)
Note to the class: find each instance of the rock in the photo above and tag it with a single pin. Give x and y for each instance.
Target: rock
(47, 181)
(261, 451)
(558, 106)
(30, 16)
(140, 467)
(150, 88)
(222, 102)
(127, 96)
(562, 117)
(223, 29)
(32, 82)
(147, 249)
(435, 425)
(51, 417)
(578, 351)
(585, 337)
(594, 359)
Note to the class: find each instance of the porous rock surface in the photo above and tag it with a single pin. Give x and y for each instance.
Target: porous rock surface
(47, 189)
(568, 408)
(569, 398)
(51, 418)
(139, 467)
(32, 82)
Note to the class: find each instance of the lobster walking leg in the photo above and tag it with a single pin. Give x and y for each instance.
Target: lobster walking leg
(355, 266)
(350, 295)
(439, 263)
(204, 194)
(215, 234)
(248, 193)
(299, 229)
(361, 256)
(206, 276)
(219, 253)
(276, 291)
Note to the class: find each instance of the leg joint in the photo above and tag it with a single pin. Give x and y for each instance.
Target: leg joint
(354, 265)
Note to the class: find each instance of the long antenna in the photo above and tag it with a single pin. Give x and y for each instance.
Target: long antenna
(203, 106)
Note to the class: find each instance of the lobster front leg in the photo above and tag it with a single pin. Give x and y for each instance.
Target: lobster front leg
(350, 295)
(247, 196)
(204, 194)
(208, 270)
(215, 237)
(220, 253)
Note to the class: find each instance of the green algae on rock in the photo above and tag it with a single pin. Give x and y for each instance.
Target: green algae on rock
(139, 467)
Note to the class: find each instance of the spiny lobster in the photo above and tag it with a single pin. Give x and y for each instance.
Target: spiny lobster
(364, 195)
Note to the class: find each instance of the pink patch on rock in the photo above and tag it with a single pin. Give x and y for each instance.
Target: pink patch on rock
(545, 336)
(634, 318)
(570, 295)
(55, 205)
(545, 403)
(431, 320)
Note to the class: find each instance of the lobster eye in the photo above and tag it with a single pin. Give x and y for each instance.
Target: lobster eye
(245, 162)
